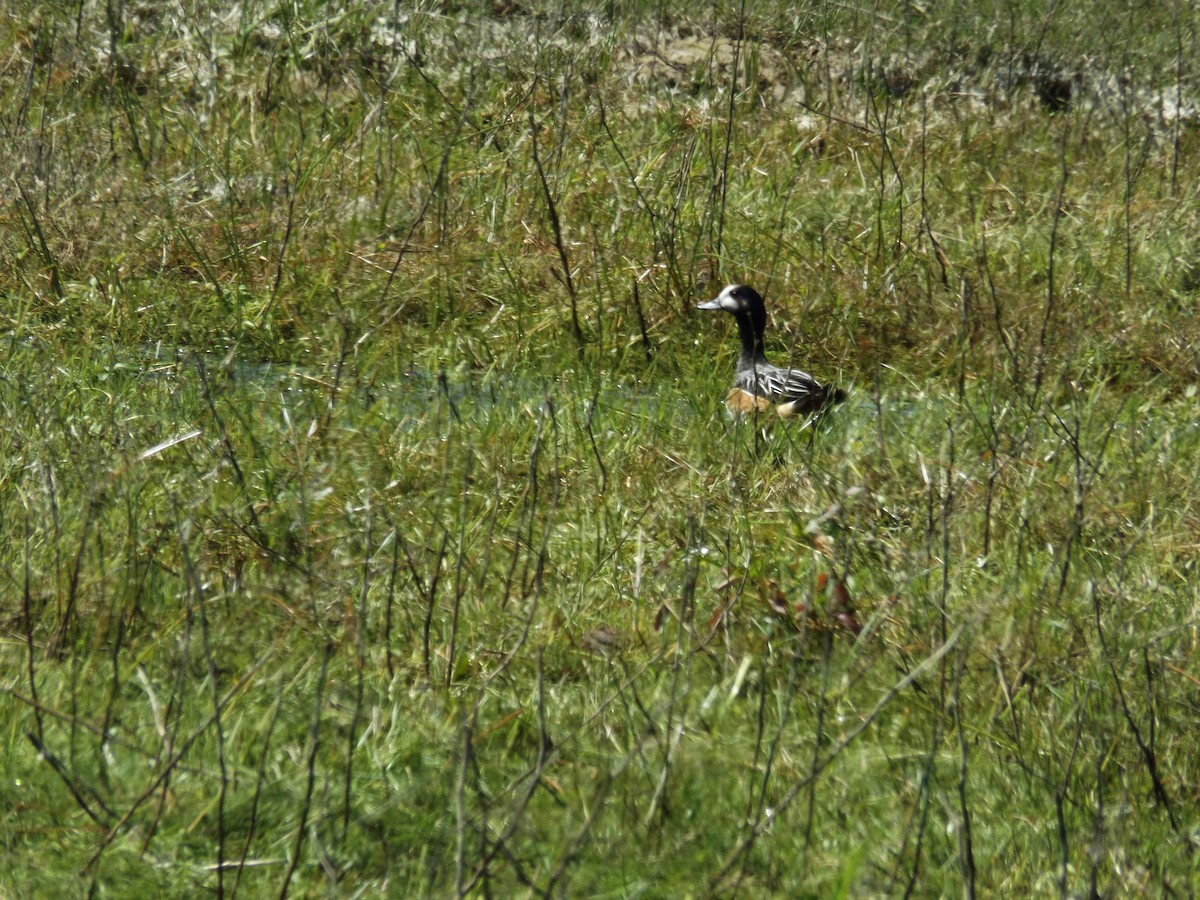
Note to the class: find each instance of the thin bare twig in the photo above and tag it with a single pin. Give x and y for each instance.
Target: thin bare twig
(821, 765)
(181, 750)
(556, 228)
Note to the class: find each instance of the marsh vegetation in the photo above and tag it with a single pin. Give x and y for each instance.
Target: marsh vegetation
(369, 517)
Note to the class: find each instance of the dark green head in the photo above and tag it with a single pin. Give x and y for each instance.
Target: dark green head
(744, 302)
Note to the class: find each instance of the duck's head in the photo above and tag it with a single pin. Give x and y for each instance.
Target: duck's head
(743, 301)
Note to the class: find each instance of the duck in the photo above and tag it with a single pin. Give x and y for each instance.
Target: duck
(758, 386)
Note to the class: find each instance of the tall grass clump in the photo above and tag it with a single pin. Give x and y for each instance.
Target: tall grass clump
(370, 523)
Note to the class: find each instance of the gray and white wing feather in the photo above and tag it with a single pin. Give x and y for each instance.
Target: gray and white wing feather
(781, 385)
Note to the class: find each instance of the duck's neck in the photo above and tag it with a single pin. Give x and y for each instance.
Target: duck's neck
(752, 343)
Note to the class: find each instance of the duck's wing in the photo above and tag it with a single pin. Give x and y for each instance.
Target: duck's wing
(782, 385)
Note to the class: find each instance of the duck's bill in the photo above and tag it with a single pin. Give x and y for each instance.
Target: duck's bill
(715, 303)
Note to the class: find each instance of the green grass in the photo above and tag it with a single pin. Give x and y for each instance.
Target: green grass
(350, 547)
